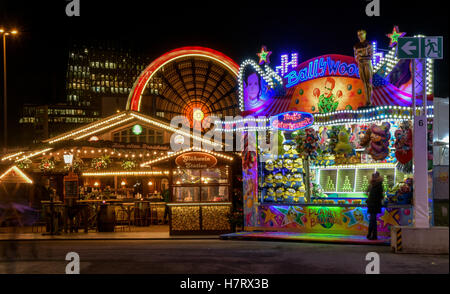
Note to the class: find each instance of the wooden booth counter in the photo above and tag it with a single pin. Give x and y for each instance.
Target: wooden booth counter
(199, 218)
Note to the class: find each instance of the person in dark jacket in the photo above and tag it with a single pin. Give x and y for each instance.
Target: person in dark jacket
(376, 195)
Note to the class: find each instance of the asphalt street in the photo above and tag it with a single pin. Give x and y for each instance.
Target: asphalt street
(209, 257)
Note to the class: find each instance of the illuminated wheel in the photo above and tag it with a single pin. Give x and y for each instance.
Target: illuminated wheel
(190, 81)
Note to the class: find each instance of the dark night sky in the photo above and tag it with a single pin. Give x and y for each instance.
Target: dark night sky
(38, 56)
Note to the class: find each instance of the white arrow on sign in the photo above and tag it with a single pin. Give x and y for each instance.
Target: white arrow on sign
(407, 48)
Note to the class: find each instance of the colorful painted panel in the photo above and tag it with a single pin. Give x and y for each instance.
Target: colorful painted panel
(250, 179)
(328, 94)
(329, 219)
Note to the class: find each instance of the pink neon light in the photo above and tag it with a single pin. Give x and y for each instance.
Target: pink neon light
(138, 88)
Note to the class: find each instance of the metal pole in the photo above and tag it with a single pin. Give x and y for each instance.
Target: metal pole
(413, 67)
(424, 78)
(5, 133)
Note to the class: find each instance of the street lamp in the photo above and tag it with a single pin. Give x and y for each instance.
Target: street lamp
(5, 132)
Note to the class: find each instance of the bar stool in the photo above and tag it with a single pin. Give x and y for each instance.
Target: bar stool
(152, 215)
(122, 220)
(39, 223)
(139, 215)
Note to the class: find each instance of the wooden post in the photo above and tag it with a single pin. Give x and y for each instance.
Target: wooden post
(115, 185)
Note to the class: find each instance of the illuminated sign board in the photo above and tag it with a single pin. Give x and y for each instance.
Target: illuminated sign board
(292, 120)
(196, 160)
(322, 66)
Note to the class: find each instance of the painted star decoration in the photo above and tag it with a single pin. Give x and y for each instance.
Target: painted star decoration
(394, 36)
(270, 216)
(264, 56)
(389, 219)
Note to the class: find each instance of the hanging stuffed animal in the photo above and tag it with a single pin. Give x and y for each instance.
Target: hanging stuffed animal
(268, 181)
(289, 194)
(376, 141)
(270, 195)
(279, 194)
(289, 148)
(323, 145)
(280, 179)
(307, 143)
(298, 165)
(333, 138)
(403, 146)
(343, 148)
(289, 180)
(279, 163)
(269, 165)
(288, 164)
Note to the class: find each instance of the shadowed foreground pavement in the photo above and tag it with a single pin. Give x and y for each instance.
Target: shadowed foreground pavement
(210, 257)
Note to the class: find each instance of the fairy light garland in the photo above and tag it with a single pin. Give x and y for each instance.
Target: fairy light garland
(376, 114)
(104, 128)
(33, 154)
(353, 166)
(177, 131)
(187, 150)
(125, 173)
(17, 170)
(12, 155)
(115, 117)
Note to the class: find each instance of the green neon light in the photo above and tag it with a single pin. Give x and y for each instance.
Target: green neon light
(137, 130)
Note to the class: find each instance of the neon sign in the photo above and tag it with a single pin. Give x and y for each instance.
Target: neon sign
(327, 65)
(285, 64)
(292, 120)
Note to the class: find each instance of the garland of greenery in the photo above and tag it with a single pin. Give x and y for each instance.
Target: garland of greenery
(47, 164)
(101, 162)
(128, 164)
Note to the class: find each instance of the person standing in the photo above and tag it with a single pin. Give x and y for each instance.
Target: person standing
(376, 195)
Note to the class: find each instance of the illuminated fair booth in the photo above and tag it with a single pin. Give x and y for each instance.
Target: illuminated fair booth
(329, 142)
(126, 160)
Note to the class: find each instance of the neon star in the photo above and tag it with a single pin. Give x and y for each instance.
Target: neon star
(264, 55)
(394, 36)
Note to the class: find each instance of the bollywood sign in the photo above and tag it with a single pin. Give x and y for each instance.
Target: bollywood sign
(325, 84)
(291, 121)
(196, 160)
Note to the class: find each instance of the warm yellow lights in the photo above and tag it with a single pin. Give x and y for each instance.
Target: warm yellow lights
(14, 171)
(125, 173)
(174, 130)
(13, 32)
(226, 157)
(353, 166)
(12, 155)
(198, 115)
(34, 154)
(94, 125)
(150, 183)
(123, 183)
(96, 184)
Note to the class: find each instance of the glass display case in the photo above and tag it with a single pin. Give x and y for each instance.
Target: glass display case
(201, 185)
(281, 175)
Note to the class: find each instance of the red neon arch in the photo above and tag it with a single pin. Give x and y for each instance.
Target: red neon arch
(134, 99)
